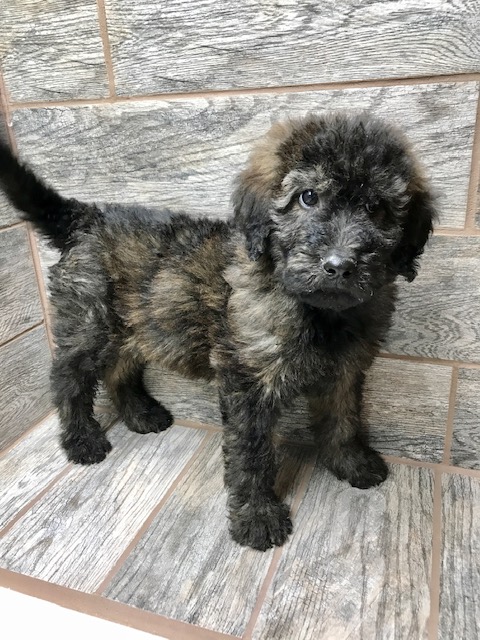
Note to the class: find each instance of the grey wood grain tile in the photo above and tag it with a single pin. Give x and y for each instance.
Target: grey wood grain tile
(178, 46)
(465, 450)
(185, 153)
(358, 564)
(24, 384)
(186, 566)
(79, 529)
(406, 407)
(20, 308)
(28, 467)
(460, 582)
(187, 399)
(437, 315)
(48, 256)
(52, 50)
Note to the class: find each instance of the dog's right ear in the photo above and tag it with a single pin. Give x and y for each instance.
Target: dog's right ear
(252, 206)
(252, 196)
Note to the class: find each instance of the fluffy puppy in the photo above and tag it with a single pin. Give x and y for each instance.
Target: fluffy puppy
(292, 296)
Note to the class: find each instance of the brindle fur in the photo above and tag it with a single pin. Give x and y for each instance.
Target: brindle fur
(244, 302)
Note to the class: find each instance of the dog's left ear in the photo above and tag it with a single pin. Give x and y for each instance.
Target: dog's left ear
(417, 228)
(251, 205)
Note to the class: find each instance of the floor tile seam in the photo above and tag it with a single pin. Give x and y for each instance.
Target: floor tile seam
(117, 566)
(440, 362)
(452, 399)
(454, 78)
(107, 51)
(26, 433)
(23, 333)
(65, 470)
(474, 182)
(106, 609)
(277, 554)
(433, 466)
(14, 225)
(435, 562)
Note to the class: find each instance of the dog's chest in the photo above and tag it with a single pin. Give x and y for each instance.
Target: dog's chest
(288, 348)
(272, 338)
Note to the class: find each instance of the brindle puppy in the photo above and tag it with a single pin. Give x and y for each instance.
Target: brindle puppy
(292, 296)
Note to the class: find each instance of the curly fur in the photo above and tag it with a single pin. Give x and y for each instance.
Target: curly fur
(249, 302)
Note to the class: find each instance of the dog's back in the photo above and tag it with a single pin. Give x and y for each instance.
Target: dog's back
(166, 280)
(151, 279)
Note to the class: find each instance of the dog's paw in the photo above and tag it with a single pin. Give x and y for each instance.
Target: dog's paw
(261, 526)
(87, 448)
(362, 467)
(152, 419)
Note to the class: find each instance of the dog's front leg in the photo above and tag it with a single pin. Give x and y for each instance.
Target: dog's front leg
(342, 441)
(258, 519)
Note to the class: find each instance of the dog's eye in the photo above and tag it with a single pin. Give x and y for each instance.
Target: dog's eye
(308, 198)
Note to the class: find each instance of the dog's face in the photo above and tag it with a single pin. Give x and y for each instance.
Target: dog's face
(339, 205)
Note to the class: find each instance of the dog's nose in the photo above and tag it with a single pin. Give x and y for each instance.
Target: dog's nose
(338, 264)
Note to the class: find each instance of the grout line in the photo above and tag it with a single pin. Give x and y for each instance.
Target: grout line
(22, 333)
(105, 609)
(450, 416)
(218, 93)
(5, 108)
(153, 514)
(474, 184)
(277, 554)
(26, 433)
(46, 417)
(15, 225)
(453, 232)
(191, 424)
(425, 360)
(19, 515)
(66, 469)
(433, 466)
(442, 466)
(103, 26)
(42, 290)
(435, 574)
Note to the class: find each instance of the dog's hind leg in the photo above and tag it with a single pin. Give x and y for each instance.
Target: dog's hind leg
(137, 408)
(339, 433)
(74, 384)
(80, 332)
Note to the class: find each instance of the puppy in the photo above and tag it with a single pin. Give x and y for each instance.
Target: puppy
(292, 296)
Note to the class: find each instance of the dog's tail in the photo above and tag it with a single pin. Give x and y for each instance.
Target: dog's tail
(54, 216)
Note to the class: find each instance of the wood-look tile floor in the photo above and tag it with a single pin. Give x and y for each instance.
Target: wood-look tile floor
(142, 539)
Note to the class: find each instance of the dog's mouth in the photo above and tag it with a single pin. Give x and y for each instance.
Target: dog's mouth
(335, 299)
(324, 293)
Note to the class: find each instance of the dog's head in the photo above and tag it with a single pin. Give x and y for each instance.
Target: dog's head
(338, 203)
